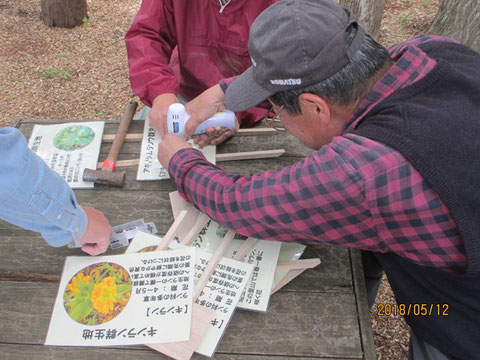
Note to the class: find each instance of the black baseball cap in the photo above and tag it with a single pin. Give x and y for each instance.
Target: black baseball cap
(294, 44)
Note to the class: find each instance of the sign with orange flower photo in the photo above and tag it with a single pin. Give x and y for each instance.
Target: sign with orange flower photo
(126, 299)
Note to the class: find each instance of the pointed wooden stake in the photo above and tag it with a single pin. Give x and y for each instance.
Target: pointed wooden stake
(172, 232)
(295, 267)
(292, 274)
(246, 155)
(178, 204)
(245, 248)
(241, 132)
(212, 264)
(190, 237)
(201, 316)
(298, 264)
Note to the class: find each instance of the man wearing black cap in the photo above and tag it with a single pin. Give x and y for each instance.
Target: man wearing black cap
(396, 167)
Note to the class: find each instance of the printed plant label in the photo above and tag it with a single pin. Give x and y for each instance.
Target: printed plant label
(149, 167)
(69, 148)
(139, 298)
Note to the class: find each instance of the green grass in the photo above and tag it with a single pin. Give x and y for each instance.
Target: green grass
(55, 74)
(15, 78)
(404, 20)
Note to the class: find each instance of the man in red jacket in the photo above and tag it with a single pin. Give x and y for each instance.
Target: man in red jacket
(181, 47)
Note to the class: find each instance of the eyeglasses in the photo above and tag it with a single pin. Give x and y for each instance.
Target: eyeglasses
(274, 121)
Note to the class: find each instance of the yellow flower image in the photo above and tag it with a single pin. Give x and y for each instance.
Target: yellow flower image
(80, 277)
(104, 295)
(97, 293)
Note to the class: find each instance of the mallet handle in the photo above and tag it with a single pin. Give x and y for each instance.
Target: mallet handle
(109, 163)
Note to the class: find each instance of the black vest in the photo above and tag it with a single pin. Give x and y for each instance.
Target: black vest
(435, 124)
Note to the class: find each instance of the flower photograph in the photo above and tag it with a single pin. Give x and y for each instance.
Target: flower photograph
(97, 293)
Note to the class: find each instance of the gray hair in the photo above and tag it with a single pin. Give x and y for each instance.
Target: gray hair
(346, 86)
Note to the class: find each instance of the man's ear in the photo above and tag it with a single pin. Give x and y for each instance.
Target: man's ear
(315, 106)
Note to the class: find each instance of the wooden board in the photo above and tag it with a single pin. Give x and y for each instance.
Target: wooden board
(362, 305)
(333, 274)
(296, 324)
(39, 352)
(321, 314)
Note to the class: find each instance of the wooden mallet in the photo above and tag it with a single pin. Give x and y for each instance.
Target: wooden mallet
(106, 175)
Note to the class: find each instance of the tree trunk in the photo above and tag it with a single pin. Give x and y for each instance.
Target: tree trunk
(459, 19)
(368, 12)
(64, 13)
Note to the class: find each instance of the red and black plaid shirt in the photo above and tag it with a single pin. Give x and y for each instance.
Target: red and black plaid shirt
(353, 192)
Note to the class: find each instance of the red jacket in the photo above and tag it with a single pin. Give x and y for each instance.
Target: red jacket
(185, 47)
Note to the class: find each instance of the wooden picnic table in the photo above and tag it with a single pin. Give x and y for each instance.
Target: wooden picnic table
(322, 314)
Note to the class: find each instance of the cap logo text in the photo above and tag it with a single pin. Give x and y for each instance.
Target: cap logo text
(286, 81)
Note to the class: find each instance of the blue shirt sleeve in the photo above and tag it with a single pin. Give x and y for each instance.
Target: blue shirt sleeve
(35, 197)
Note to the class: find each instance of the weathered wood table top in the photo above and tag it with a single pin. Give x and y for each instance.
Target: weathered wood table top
(322, 314)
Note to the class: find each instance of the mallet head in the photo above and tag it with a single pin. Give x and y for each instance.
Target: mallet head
(104, 177)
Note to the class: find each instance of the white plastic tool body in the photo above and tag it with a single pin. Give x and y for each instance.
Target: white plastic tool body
(178, 117)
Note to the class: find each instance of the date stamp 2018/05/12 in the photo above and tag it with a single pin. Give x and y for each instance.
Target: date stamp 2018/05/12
(412, 309)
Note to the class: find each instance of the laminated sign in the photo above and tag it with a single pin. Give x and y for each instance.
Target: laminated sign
(149, 167)
(221, 293)
(263, 256)
(140, 298)
(69, 148)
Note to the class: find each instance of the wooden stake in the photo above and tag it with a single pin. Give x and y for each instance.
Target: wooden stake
(245, 248)
(212, 264)
(256, 131)
(242, 132)
(201, 316)
(292, 274)
(178, 204)
(295, 267)
(172, 231)
(190, 237)
(247, 155)
(128, 138)
(123, 163)
(183, 350)
(298, 264)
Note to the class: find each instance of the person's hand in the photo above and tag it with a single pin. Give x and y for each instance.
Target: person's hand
(215, 135)
(169, 145)
(158, 114)
(203, 107)
(96, 238)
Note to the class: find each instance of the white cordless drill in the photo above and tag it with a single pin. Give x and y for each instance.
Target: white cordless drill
(177, 118)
